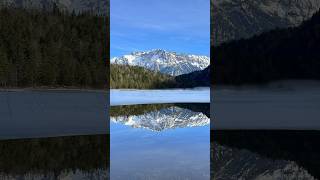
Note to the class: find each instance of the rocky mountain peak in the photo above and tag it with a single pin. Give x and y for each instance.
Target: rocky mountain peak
(164, 61)
(236, 19)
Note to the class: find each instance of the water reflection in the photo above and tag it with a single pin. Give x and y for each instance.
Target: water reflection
(158, 117)
(73, 157)
(168, 141)
(271, 154)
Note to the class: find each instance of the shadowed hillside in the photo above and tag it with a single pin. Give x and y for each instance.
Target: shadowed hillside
(52, 48)
(280, 54)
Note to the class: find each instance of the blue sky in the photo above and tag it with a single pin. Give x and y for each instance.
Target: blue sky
(175, 25)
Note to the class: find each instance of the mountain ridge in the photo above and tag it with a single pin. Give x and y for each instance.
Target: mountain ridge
(237, 19)
(281, 54)
(163, 61)
(99, 7)
(163, 119)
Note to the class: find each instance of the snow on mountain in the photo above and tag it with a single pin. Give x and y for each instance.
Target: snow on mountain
(166, 118)
(165, 62)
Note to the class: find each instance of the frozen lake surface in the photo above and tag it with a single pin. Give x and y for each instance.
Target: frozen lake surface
(293, 107)
(30, 114)
(133, 96)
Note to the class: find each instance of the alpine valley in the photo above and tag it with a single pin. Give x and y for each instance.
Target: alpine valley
(162, 68)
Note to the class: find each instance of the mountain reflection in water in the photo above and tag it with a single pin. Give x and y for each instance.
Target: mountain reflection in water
(265, 154)
(160, 117)
(160, 141)
(73, 157)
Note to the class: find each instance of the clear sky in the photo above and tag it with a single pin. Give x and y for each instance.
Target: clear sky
(175, 25)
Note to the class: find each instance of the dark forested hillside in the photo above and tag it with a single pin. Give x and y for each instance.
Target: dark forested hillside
(123, 76)
(280, 54)
(52, 48)
(195, 79)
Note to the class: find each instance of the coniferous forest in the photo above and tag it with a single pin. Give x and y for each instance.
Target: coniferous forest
(52, 48)
(281, 54)
(134, 77)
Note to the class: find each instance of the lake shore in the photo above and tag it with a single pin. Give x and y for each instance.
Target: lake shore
(45, 88)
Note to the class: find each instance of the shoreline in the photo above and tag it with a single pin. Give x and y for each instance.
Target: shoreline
(275, 85)
(66, 89)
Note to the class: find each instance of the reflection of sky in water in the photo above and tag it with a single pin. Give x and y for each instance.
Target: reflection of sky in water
(170, 154)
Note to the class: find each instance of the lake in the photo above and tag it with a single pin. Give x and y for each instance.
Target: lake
(51, 113)
(265, 154)
(266, 132)
(64, 134)
(134, 96)
(160, 141)
(54, 134)
(282, 106)
(71, 157)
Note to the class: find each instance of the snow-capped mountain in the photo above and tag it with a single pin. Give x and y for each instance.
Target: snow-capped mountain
(233, 164)
(166, 118)
(235, 19)
(165, 62)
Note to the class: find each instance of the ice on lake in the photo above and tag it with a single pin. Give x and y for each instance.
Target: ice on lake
(292, 106)
(31, 114)
(133, 96)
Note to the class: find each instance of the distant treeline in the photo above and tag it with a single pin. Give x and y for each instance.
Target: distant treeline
(280, 54)
(123, 76)
(133, 77)
(136, 110)
(130, 110)
(53, 48)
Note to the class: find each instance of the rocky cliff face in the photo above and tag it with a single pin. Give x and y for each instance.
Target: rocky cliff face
(164, 61)
(97, 6)
(236, 19)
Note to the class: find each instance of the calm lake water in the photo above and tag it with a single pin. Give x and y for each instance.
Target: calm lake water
(265, 154)
(49, 135)
(57, 158)
(160, 141)
(256, 133)
(269, 132)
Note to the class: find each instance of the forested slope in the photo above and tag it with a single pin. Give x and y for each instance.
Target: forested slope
(133, 77)
(280, 54)
(52, 48)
